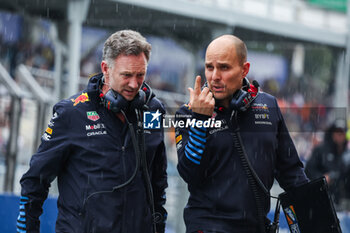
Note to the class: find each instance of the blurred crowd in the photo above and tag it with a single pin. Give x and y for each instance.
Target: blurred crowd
(331, 159)
(24, 52)
(321, 135)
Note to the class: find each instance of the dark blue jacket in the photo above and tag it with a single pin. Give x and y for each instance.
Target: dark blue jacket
(90, 151)
(220, 196)
(327, 159)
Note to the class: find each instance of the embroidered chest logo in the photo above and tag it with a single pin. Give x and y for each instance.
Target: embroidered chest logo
(261, 114)
(257, 107)
(95, 129)
(223, 127)
(81, 99)
(262, 119)
(93, 116)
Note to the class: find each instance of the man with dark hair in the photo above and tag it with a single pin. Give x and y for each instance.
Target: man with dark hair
(111, 176)
(331, 160)
(230, 168)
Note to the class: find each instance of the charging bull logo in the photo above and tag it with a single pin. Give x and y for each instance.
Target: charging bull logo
(81, 99)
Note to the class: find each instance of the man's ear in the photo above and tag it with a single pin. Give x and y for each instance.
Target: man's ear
(246, 67)
(105, 71)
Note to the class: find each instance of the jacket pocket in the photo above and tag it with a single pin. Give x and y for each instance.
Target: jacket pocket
(102, 212)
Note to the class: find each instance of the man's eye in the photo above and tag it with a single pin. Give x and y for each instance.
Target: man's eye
(140, 75)
(127, 75)
(209, 67)
(224, 67)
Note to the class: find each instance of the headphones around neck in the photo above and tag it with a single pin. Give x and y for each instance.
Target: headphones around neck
(115, 102)
(244, 97)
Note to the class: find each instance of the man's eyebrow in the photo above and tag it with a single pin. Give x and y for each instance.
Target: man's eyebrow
(224, 64)
(130, 72)
(219, 63)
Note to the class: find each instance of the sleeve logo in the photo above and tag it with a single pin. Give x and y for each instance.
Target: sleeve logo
(48, 130)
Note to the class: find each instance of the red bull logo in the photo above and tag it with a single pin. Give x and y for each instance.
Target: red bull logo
(81, 99)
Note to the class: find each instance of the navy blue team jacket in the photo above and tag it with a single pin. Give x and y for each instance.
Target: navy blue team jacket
(220, 197)
(90, 150)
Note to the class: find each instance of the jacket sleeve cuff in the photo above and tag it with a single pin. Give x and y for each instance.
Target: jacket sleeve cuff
(160, 225)
(199, 116)
(25, 222)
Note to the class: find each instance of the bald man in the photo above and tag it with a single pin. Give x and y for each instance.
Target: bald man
(218, 162)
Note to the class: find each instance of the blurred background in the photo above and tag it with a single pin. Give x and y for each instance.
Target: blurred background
(299, 51)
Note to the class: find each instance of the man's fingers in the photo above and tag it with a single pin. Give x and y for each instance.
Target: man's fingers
(201, 101)
(209, 97)
(212, 102)
(205, 91)
(197, 85)
(190, 90)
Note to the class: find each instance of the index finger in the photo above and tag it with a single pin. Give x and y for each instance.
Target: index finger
(191, 95)
(197, 85)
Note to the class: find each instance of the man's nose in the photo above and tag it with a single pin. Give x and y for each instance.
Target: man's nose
(216, 75)
(133, 83)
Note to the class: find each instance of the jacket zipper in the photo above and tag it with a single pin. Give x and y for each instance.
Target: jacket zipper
(124, 190)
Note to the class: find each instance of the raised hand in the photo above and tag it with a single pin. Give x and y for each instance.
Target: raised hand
(201, 101)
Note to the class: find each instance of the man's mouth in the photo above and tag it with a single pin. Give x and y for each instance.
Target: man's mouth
(218, 88)
(129, 92)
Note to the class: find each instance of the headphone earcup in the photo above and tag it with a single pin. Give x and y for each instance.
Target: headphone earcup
(139, 101)
(238, 102)
(114, 102)
(244, 97)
